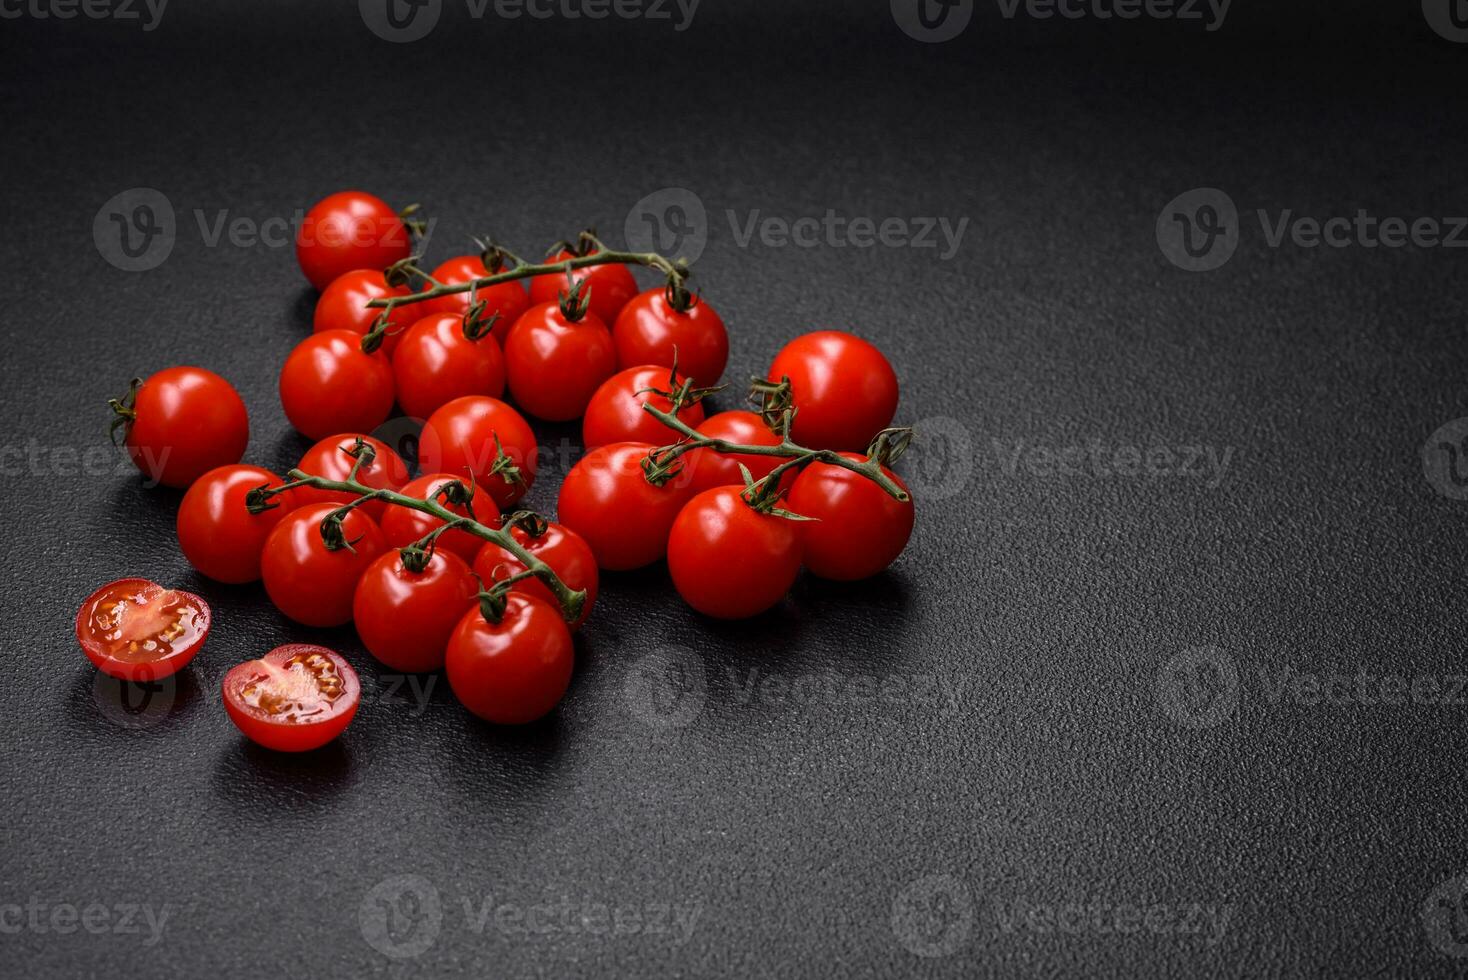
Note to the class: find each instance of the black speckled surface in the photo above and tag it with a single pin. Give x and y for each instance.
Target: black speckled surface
(1013, 724)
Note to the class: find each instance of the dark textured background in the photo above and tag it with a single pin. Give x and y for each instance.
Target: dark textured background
(819, 834)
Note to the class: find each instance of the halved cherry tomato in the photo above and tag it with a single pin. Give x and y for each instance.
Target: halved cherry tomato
(650, 331)
(181, 423)
(216, 531)
(859, 529)
(137, 630)
(436, 363)
(401, 526)
(844, 390)
(343, 306)
(555, 364)
(565, 551)
(612, 286)
(331, 458)
(728, 560)
(607, 500)
(460, 438)
(508, 299)
(296, 698)
(350, 230)
(707, 469)
(513, 671)
(309, 582)
(405, 618)
(615, 412)
(329, 384)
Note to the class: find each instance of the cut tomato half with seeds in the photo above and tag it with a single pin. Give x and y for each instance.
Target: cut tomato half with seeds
(137, 630)
(295, 698)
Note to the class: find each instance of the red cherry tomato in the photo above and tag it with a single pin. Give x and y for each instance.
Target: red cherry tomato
(137, 630)
(514, 671)
(181, 423)
(330, 385)
(650, 331)
(607, 500)
(350, 230)
(554, 365)
(460, 437)
(707, 469)
(843, 388)
(401, 526)
(615, 413)
(436, 363)
(858, 528)
(405, 618)
(728, 560)
(296, 698)
(331, 458)
(216, 531)
(565, 551)
(612, 286)
(306, 581)
(343, 306)
(508, 299)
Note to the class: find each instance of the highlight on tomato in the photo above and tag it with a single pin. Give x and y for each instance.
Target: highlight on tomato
(312, 561)
(556, 356)
(181, 423)
(401, 526)
(406, 606)
(653, 329)
(843, 389)
(329, 384)
(343, 306)
(137, 630)
(565, 551)
(333, 459)
(515, 667)
(218, 533)
(350, 230)
(484, 438)
(608, 499)
(729, 559)
(503, 301)
(296, 698)
(443, 357)
(857, 528)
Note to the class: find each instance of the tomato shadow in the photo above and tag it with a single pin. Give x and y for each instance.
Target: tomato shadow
(111, 709)
(256, 779)
(504, 766)
(303, 309)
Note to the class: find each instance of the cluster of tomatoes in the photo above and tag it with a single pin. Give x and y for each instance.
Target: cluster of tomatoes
(442, 572)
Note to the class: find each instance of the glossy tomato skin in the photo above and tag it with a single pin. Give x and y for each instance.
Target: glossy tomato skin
(859, 529)
(216, 531)
(401, 526)
(350, 230)
(328, 384)
(187, 421)
(343, 306)
(296, 698)
(612, 287)
(707, 469)
(508, 299)
(436, 363)
(729, 561)
(307, 582)
(405, 618)
(843, 388)
(565, 551)
(625, 519)
(137, 630)
(459, 438)
(650, 331)
(615, 413)
(329, 458)
(514, 671)
(554, 365)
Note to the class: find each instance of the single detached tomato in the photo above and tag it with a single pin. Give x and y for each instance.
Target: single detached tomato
(859, 529)
(707, 469)
(405, 618)
(844, 390)
(508, 299)
(513, 671)
(332, 458)
(484, 438)
(612, 286)
(181, 423)
(329, 384)
(554, 364)
(350, 230)
(401, 526)
(650, 331)
(343, 306)
(607, 500)
(727, 559)
(436, 363)
(615, 413)
(296, 698)
(216, 531)
(137, 630)
(565, 551)
(308, 581)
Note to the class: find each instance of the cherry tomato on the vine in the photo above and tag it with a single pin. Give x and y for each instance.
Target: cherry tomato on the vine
(707, 469)
(650, 331)
(181, 423)
(216, 531)
(607, 500)
(329, 384)
(615, 413)
(405, 618)
(350, 230)
(137, 630)
(612, 286)
(565, 551)
(309, 582)
(436, 363)
(727, 559)
(332, 458)
(296, 698)
(859, 529)
(843, 388)
(401, 526)
(513, 671)
(554, 364)
(460, 438)
(508, 299)
(343, 306)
